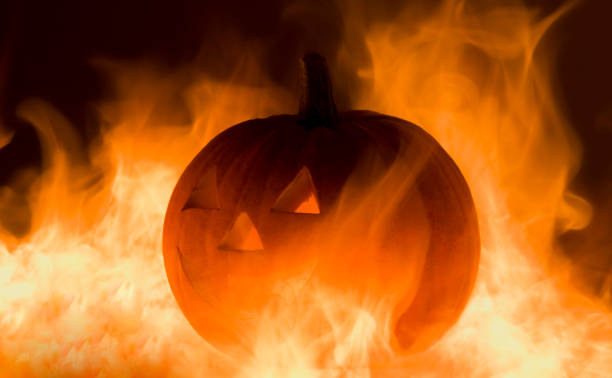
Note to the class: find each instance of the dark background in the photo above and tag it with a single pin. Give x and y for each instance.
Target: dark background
(45, 51)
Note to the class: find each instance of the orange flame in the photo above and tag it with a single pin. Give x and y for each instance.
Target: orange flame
(85, 294)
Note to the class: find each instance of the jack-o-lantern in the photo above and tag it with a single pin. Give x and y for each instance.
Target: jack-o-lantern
(359, 201)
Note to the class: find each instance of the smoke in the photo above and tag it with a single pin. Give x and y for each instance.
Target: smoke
(65, 53)
(120, 96)
(68, 53)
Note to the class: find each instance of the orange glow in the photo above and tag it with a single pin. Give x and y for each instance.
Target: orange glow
(205, 194)
(242, 236)
(86, 294)
(309, 206)
(299, 196)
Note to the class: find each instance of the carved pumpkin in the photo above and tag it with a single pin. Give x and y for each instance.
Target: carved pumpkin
(359, 201)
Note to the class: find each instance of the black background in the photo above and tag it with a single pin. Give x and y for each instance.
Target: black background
(45, 49)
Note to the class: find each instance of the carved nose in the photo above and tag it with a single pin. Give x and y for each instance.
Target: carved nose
(242, 236)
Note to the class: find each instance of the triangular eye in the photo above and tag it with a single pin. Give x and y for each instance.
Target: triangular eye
(242, 236)
(204, 196)
(300, 196)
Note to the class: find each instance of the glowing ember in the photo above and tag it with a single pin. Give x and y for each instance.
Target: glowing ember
(85, 293)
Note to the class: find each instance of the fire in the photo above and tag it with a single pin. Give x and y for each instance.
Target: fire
(85, 293)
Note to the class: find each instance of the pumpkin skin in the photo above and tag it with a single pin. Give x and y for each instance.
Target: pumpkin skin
(395, 219)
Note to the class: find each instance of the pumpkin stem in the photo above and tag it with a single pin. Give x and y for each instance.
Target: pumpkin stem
(317, 107)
